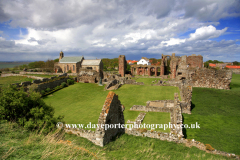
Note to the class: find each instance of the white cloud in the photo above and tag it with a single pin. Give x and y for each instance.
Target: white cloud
(206, 33)
(110, 28)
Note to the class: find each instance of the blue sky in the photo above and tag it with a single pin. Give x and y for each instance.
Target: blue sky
(39, 29)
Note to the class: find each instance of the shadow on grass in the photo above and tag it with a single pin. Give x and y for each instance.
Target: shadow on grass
(192, 106)
(184, 129)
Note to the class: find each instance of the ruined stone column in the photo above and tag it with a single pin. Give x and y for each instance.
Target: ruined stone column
(162, 69)
(137, 70)
(143, 70)
(122, 65)
(155, 71)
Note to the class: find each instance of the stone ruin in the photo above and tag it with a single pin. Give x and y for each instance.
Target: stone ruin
(171, 106)
(111, 115)
(43, 84)
(89, 76)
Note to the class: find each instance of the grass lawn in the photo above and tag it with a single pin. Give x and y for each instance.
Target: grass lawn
(147, 81)
(82, 102)
(41, 75)
(218, 113)
(4, 81)
(17, 143)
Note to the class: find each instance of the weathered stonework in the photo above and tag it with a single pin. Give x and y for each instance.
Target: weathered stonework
(122, 65)
(210, 78)
(171, 106)
(111, 116)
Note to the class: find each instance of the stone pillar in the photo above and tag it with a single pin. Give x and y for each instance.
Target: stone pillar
(143, 70)
(174, 66)
(149, 71)
(137, 71)
(162, 69)
(122, 65)
(155, 71)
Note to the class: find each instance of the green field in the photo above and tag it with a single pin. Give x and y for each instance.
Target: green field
(218, 113)
(82, 102)
(5, 81)
(17, 143)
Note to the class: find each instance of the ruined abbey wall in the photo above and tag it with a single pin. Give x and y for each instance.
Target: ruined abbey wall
(210, 78)
(111, 116)
(195, 61)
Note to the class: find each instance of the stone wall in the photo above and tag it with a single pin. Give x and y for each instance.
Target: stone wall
(195, 61)
(171, 106)
(44, 83)
(122, 65)
(210, 78)
(47, 73)
(186, 98)
(88, 76)
(28, 76)
(49, 84)
(111, 116)
(111, 83)
(236, 71)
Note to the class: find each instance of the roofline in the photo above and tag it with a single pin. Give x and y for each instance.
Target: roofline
(69, 62)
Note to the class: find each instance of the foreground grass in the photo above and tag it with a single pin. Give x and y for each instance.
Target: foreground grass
(5, 81)
(17, 143)
(217, 112)
(82, 102)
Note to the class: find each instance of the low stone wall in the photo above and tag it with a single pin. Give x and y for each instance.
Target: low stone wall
(111, 83)
(28, 76)
(130, 81)
(178, 139)
(171, 106)
(44, 83)
(155, 106)
(210, 78)
(51, 85)
(47, 73)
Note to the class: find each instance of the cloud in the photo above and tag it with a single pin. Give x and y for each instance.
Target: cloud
(206, 33)
(103, 28)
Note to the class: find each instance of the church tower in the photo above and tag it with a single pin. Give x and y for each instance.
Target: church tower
(61, 55)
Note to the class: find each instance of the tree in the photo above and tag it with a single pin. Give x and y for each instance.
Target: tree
(236, 63)
(56, 60)
(27, 109)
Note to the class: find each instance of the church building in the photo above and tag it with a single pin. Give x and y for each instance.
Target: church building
(74, 64)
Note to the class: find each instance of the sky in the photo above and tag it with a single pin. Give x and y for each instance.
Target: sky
(32, 30)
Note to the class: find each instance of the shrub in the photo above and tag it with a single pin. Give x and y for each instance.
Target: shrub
(69, 71)
(70, 81)
(64, 84)
(58, 87)
(35, 70)
(42, 92)
(0, 71)
(27, 109)
(48, 90)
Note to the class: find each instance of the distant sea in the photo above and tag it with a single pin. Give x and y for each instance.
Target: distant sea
(11, 64)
